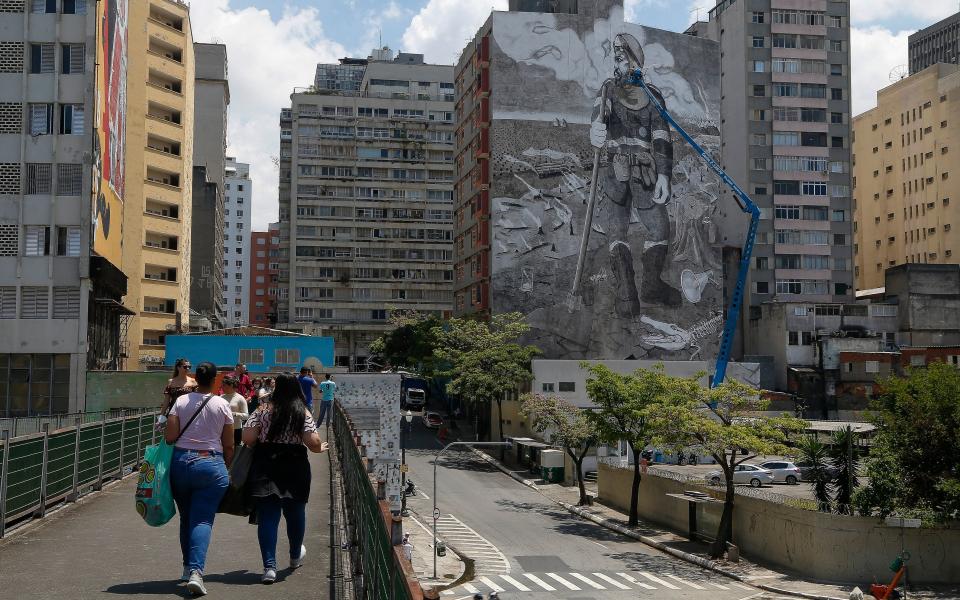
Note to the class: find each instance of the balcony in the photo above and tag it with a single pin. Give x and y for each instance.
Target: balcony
(160, 306)
(163, 178)
(166, 19)
(159, 274)
(157, 241)
(162, 210)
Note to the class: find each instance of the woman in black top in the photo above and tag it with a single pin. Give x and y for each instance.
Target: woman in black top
(279, 478)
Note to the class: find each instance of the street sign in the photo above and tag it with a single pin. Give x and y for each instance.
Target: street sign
(901, 522)
(436, 514)
(404, 468)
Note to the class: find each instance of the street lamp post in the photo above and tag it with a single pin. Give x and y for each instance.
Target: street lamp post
(436, 514)
(408, 417)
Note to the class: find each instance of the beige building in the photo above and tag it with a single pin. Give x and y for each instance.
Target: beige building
(157, 215)
(904, 152)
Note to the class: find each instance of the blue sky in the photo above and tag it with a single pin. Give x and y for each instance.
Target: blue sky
(292, 36)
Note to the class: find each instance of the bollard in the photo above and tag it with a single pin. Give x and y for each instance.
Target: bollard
(123, 424)
(103, 436)
(733, 552)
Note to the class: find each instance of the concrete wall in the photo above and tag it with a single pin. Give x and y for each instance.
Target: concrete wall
(822, 546)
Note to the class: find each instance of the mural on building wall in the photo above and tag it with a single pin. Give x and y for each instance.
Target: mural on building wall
(644, 241)
(109, 142)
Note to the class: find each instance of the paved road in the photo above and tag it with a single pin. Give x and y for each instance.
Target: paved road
(531, 548)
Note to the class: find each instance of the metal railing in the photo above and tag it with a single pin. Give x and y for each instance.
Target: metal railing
(46, 460)
(378, 574)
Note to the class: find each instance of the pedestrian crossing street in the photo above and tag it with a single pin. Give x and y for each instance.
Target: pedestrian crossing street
(487, 558)
(641, 581)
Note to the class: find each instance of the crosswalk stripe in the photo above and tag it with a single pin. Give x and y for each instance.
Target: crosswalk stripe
(691, 584)
(611, 581)
(515, 583)
(471, 589)
(665, 584)
(742, 587)
(635, 582)
(540, 582)
(563, 582)
(588, 581)
(490, 584)
(718, 586)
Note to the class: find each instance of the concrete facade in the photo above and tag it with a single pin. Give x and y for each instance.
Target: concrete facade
(264, 275)
(366, 203)
(906, 150)
(238, 208)
(938, 43)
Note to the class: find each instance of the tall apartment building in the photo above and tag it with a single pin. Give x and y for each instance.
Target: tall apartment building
(159, 176)
(366, 201)
(906, 150)
(786, 140)
(264, 275)
(938, 43)
(238, 204)
(211, 100)
(61, 136)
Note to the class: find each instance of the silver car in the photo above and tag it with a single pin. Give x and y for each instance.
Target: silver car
(783, 471)
(744, 473)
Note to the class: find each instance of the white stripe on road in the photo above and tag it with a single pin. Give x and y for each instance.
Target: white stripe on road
(635, 582)
(693, 585)
(540, 582)
(665, 584)
(563, 582)
(717, 585)
(515, 583)
(490, 584)
(611, 581)
(588, 581)
(471, 588)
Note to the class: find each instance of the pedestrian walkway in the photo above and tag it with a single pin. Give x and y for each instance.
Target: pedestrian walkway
(486, 557)
(100, 548)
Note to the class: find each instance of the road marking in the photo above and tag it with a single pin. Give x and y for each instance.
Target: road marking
(588, 581)
(490, 584)
(665, 584)
(599, 544)
(563, 582)
(693, 585)
(635, 582)
(540, 582)
(753, 596)
(515, 583)
(717, 585)
(471, 589)
(611, 581)
(487, 558)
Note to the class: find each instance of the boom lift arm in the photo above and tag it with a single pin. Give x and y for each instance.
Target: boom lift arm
(746, 205)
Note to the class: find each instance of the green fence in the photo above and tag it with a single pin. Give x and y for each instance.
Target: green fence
(382, 577)
(68, 456)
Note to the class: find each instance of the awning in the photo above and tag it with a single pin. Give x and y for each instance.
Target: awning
(111, 304)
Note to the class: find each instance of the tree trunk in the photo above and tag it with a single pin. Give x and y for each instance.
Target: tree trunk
(578, 476)
(503, 449)
(635, 488)
(725, 533)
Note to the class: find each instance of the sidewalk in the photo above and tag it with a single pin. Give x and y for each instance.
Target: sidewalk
(449, 568)
(100, 548)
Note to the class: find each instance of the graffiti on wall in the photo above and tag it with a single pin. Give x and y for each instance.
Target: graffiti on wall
(629, 267)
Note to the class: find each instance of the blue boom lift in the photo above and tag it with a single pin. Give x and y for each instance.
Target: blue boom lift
(746, 204)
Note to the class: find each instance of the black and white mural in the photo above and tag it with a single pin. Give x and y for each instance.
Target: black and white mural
(629, 267)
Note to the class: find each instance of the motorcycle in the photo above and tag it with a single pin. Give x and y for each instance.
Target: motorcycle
(411, 489)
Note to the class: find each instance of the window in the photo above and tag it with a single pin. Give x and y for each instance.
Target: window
(34, 302)
(836, 46)
(567, 386)
(757, 41)
(253, 356)
(69, 179)
(793, 338)
(789, 286)
(756, 17)
(836, 69)
(836, 118)
(787, 212)
(72, 58)
(758, 66)
(42, 58)
(547, 388)
(71, 119)
(378, 315)
(763, 287)
(836, 93)
(835, 21)
(66, 302)
(759, 90)
(286, 357)
(36, 240)
(39, 177)
(74, 7)
(43, 6)
(806, 338)
(68, 241)
(41, 119)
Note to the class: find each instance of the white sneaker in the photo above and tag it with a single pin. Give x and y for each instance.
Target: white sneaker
(185, 577)
(296, 563)
(269, 576)
(195, 584)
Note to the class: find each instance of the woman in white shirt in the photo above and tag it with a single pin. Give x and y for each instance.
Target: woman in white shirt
(238, 406)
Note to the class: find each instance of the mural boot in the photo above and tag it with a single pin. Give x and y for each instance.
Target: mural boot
(655, 291)
(625, 281)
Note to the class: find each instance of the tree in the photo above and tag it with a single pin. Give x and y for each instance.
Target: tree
(843, 453)
(567, 426)
(411, 343)
(724, 422)
(484, 360)
(914, 466)
(814, 452)
(626, 409)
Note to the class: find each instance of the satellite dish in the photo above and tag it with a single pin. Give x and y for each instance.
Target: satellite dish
(899, 72)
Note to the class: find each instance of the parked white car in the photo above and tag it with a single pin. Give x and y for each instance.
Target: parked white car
(745, 473)
(783, 471)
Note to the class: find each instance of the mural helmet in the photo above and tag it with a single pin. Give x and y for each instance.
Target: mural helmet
(626, 48)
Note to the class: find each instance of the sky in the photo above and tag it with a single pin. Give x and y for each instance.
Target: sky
(273, 46)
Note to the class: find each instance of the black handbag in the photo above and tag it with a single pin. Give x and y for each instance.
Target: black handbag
(237, 501)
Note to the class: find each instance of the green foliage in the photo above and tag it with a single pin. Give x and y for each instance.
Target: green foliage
(411, 344)
(844, 455)
(914, 465)
(815, 453)
(566, 426)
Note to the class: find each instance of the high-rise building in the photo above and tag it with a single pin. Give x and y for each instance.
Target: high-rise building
(938, 43)
(211, 100)
(61, 136)
(159, 176)
(238, 204)
(263, 279)
(366, 202)
(906, 150)
(786, 141)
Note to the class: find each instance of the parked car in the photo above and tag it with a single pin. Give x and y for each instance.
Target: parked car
(783, 471)
(805, 467)
(432, 420)
(744, 473)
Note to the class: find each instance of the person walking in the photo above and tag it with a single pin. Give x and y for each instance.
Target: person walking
(181, 383)
(328, 388)
(279, 480)
(200, 427)
(238, 406)
(244, 383)
(307, 385)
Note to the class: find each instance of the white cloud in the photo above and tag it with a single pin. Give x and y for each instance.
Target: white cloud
(443, 28)
(261, 81)
(874, 53)
(874, 11)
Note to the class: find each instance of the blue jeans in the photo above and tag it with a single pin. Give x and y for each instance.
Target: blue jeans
(268, 524)
(326, 408)
(199, 483)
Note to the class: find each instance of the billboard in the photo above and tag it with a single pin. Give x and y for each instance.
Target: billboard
(109, 140)
(643, 240)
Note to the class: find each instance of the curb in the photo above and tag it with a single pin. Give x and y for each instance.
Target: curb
(614, 526)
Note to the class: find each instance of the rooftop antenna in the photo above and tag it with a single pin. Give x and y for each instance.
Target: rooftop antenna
(380, 37)
(697, 10)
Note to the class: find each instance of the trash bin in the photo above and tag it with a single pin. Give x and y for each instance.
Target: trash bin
(441, 549)
(551, 466)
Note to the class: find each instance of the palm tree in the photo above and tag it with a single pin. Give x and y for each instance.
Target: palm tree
(814, 453)
(843, 453)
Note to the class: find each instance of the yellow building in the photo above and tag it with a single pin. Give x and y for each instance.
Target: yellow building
(906, 156)
(156, 251)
